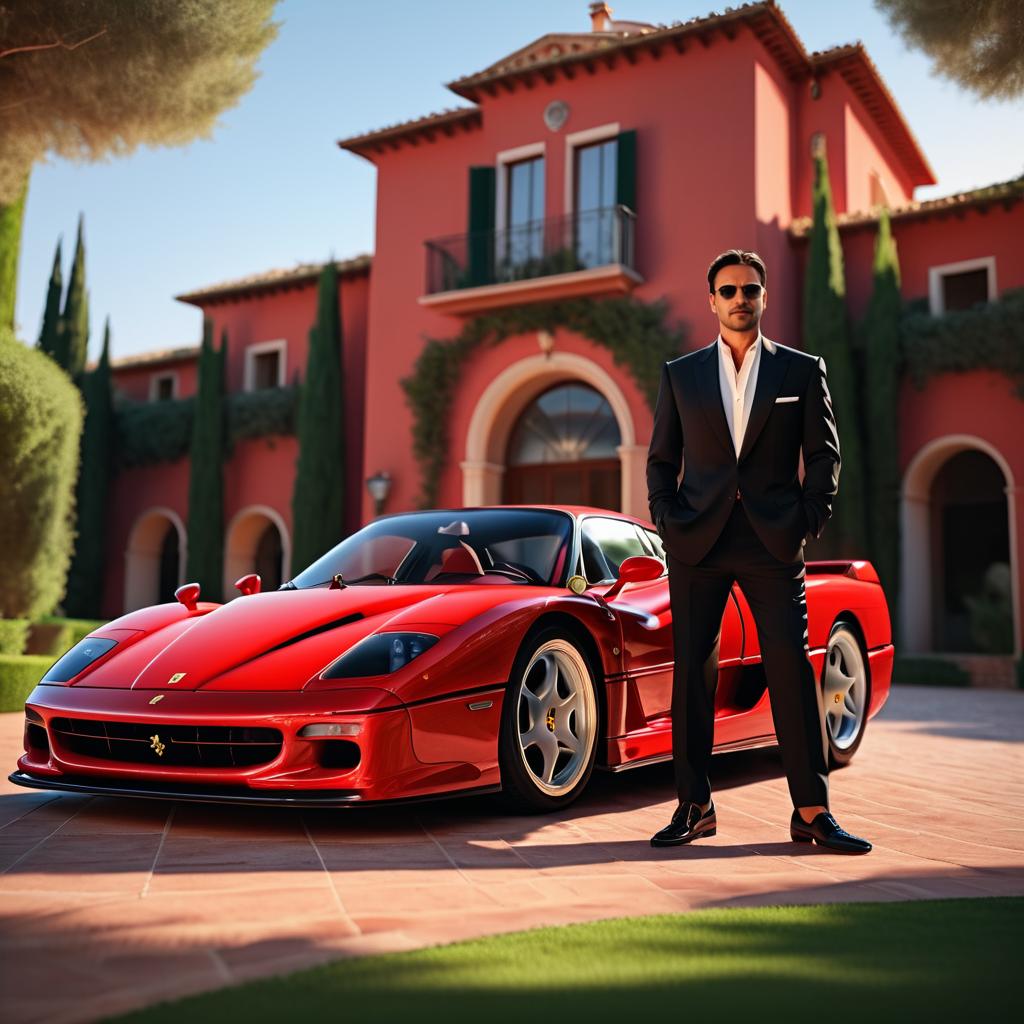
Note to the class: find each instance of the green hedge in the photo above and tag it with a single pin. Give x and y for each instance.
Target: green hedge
(13, 634)
(152, 432)
(262, 413)
(931, 671)
(53, 636)
(985, 337)
(18, 678)
(40, 425)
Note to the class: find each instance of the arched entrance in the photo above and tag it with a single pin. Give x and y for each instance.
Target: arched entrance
(971, 609)
(154, 559)
(959, 590)
(505, 399)
(563, 451)
(257, 541)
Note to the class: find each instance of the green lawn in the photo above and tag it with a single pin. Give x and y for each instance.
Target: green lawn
(940, 960)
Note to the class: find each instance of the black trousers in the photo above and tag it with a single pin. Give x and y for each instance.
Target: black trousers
(775, 592)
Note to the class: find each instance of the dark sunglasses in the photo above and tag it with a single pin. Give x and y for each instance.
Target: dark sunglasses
(750, 291)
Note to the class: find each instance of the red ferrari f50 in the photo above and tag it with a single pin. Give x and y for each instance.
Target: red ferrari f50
(430, 653)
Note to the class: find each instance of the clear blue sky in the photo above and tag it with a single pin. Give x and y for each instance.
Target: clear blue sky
(271, 188)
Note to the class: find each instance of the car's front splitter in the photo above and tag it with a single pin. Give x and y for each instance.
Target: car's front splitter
(224, 794)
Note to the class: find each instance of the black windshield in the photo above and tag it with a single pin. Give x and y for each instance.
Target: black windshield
(528, 546)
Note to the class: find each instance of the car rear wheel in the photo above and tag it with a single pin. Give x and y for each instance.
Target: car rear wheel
(549, 724)
(846, 692)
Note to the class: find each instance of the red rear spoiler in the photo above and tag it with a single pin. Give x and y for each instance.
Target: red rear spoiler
(856, 570)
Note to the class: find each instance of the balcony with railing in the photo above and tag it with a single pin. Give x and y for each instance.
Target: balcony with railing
(585, 253)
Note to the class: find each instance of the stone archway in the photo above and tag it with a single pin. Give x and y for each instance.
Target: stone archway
(257, 540)
(504, 400)
(154, 558)
(921, 547)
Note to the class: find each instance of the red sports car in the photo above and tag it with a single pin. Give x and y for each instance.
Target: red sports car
(428, 654)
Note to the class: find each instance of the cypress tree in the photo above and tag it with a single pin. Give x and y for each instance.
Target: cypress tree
(826, 333)
(85, 580)
(881, 333)
(318, 498)
(73, 346)
(49, 335)
(206, 479)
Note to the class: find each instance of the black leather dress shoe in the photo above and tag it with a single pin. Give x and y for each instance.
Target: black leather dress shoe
(825, 831)
(688, 823)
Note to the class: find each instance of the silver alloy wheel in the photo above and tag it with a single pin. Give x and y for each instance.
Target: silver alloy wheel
(845, 689)
(557, 717)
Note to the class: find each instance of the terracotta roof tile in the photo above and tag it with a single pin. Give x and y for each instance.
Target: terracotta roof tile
(445, 121)
(164, 355)
(1004, 192)
(270, 280)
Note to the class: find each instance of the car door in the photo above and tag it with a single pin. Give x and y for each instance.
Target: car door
(645, 613)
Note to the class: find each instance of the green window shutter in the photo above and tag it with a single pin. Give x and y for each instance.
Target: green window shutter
(625, 170)
(480, 255)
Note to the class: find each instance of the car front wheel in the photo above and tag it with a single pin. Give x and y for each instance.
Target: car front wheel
(549, 724)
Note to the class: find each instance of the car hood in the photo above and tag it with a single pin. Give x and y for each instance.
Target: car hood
(282, 639)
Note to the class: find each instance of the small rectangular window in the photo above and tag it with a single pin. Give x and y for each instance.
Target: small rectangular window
(163, 387)
(954, 286)
(266, 370)
(963, 290)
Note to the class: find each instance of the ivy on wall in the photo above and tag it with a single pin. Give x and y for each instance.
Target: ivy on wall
(985, 337)
(634, 332)
(152, 432)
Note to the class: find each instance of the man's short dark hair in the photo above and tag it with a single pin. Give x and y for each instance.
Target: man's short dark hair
(736, 257)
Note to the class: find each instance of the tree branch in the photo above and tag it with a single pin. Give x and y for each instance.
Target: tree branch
(51, 46)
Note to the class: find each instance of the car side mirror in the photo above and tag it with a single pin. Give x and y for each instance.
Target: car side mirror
(249, 584)
(637, 569)
(188, 595)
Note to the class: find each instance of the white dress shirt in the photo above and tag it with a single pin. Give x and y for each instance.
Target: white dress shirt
(738, 388)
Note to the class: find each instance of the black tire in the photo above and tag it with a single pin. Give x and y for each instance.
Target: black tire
(531, 781)
(846, 718)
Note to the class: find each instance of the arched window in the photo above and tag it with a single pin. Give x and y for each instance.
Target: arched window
(269, 557)
(562, 450)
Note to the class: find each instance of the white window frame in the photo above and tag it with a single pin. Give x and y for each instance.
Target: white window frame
(574, 141)
(163, 375)
(503, 160)
(279, 345)
(936, 274)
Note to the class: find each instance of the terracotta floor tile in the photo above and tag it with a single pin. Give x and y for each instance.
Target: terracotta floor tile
(239, 893)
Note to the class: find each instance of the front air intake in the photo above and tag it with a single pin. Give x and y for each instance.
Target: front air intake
(193, 746)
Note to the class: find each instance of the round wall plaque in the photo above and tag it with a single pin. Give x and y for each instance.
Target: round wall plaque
(556, 113)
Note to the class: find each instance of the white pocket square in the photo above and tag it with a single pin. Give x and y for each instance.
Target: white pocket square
(787, 398)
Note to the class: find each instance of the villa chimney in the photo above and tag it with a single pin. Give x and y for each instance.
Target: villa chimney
(600, 18)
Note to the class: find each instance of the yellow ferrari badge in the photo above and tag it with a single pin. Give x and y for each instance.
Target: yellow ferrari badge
(155, 744)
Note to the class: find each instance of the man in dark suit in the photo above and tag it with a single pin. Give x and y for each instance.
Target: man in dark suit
(735, 416)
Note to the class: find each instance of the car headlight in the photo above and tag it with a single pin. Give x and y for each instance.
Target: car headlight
(80, 657)
(380, 654)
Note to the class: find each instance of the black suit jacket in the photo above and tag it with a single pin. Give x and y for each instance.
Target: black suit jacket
(689, 418)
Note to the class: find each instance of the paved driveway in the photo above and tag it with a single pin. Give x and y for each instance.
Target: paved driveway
(110, 904)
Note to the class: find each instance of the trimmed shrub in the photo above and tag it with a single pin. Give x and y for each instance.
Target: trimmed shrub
(52, 636)
(13, 634)
(18, 678)
(40, 423)
(929, 672)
